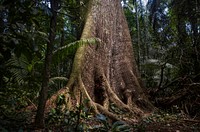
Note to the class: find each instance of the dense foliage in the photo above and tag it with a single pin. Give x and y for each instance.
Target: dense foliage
(165, 37)
(24, 35)
(166, 40)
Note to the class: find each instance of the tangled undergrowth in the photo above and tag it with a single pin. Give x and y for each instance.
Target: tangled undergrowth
(179, 96)
(80, 119)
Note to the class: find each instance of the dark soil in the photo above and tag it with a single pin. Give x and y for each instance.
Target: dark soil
(170, 126)
(154, 123)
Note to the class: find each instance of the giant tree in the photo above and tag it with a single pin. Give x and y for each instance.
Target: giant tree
(105, 73)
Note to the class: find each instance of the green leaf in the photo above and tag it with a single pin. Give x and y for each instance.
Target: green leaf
(42, 33)
(120, 126)
(69, 49)
(53, 80)
(35, 21)
(30, 67)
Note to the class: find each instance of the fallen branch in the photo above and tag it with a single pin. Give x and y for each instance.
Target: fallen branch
(190, 120)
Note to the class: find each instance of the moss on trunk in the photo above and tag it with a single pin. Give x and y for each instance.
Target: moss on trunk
(106, 73)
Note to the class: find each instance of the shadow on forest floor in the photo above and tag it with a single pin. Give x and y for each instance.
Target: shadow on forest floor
(157, 122)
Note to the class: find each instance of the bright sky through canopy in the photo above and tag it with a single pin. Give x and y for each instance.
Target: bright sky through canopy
(144, 2)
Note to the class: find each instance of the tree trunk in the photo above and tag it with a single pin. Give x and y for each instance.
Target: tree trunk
(138, 34)
(106, 73)
(39, 119)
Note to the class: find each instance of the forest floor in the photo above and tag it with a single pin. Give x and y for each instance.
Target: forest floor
(158, 122)
(181, 125)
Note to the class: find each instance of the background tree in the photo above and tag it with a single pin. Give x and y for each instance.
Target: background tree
(21, 53)
(39, 121)
(173, 54)
(166, 37)
(24, 34)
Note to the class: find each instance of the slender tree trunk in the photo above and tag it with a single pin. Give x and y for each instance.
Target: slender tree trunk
(138, 35)
(39, 120)
(106, 73)
(195, 38)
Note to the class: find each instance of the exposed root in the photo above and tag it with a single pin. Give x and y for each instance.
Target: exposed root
(51, 102)
(115, 117)
(129, 113)
(114, 98)
(84, 91)
(99, 108)
(111, 115)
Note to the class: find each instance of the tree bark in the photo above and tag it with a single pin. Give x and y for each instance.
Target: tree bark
(39, 119)
(106, 73)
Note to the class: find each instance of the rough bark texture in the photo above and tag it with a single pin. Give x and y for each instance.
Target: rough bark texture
(106, 73)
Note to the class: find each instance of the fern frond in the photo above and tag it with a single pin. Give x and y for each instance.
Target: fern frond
(69, 49)
(18, 68)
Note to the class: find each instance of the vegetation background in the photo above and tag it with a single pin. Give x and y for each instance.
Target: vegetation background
(166, 41)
